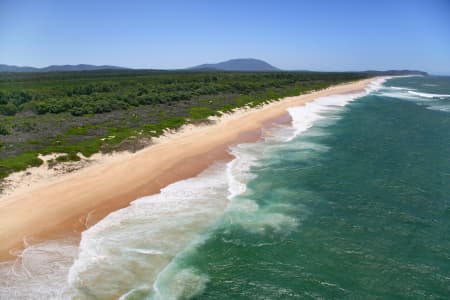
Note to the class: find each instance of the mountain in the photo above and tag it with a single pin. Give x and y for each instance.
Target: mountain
(10, 68)
(240, 64)
(57, 68)
(63, 68)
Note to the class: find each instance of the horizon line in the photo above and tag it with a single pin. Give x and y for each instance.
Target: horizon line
(186, 68)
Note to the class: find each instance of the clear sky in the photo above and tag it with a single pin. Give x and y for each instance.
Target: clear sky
(297, 34)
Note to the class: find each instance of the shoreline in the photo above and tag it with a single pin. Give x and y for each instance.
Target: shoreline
(75, 201)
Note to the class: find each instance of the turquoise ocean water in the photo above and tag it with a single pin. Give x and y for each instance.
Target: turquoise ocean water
(350, 202)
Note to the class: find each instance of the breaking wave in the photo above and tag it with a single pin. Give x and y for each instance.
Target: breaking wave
(431, 101)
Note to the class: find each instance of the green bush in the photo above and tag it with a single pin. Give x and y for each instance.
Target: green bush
(8, 109)
(18, 163)
(3, 130)
(68, 157)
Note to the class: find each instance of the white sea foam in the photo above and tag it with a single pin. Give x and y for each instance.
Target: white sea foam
(429, 100)
(238, 169)
(398, 94)
(177, 282)
(398, 88)
(183, 284)
(428, 95)
(304, 117)
(129, 248)
(39, 272)
(376, 84)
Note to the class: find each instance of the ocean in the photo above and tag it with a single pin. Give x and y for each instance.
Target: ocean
(352, 201)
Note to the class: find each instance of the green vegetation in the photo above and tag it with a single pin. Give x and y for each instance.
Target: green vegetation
(68, 157)
(18, 163)
(87, 112)
(3, 130)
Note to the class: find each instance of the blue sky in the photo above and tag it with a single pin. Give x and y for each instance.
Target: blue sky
(314, 35)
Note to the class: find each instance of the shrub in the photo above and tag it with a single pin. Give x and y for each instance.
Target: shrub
(68, 157)
(3, 130)
(8, 109)
(18, 163)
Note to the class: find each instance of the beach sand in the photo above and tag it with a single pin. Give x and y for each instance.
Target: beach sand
(67, 204)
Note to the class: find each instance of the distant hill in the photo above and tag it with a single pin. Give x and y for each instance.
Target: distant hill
(10, 68)
(240, 64)
(57, 68)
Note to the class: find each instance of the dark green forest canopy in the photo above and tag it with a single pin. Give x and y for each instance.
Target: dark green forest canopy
(90, 111)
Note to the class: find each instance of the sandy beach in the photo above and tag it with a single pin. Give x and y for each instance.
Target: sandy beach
(69, 203)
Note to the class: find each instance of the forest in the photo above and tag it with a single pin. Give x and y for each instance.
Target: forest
(81, 113)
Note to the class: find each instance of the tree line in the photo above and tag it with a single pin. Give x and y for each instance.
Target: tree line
(102, 92)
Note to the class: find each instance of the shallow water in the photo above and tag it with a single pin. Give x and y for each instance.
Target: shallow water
(351, 201)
